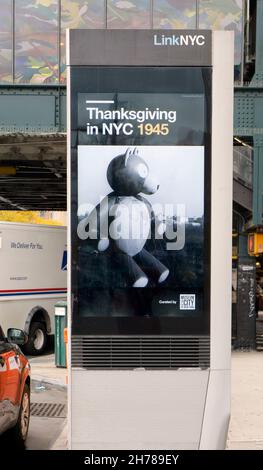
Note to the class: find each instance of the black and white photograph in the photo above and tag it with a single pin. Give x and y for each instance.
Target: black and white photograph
(140, 229)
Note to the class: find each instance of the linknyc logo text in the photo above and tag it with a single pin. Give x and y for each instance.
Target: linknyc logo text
(181, 40)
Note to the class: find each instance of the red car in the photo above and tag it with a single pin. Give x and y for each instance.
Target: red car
(14, 387)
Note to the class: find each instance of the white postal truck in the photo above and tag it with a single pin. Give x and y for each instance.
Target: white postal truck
(33, 277)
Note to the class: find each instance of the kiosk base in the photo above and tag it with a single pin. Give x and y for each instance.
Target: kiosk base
(142, 409)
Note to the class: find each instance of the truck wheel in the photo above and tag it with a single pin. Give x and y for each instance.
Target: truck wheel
(18, 433)
(37, 339)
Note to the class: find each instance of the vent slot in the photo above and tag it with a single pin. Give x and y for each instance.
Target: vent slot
(48, 410)
(150, 352)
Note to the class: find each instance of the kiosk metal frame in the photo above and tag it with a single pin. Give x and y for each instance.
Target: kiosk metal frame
(125, 407)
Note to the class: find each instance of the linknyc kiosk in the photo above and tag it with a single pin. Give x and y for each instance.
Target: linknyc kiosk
(150, 233)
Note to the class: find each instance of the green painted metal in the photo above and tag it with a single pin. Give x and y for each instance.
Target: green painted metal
(258, 122)
(248, 119)
(258, 186)
(60, 325)
(248, 122)
(258, 77)
(248, 113)
(32, 109)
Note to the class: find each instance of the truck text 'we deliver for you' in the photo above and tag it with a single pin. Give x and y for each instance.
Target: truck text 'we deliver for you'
(33, 277)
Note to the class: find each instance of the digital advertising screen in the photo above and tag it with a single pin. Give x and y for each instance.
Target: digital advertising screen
(140, 208)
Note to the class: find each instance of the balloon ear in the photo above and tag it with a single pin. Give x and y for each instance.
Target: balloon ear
(136, 152)
(128, 153)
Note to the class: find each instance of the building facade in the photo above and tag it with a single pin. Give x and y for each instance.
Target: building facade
(32, 41)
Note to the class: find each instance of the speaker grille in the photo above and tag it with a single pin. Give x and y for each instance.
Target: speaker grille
(151, 352)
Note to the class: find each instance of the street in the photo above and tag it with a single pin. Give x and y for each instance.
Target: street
(44, 430)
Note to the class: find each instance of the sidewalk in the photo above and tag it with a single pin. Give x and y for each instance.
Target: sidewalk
(62, 441)
(246, 425)
(43, 370)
